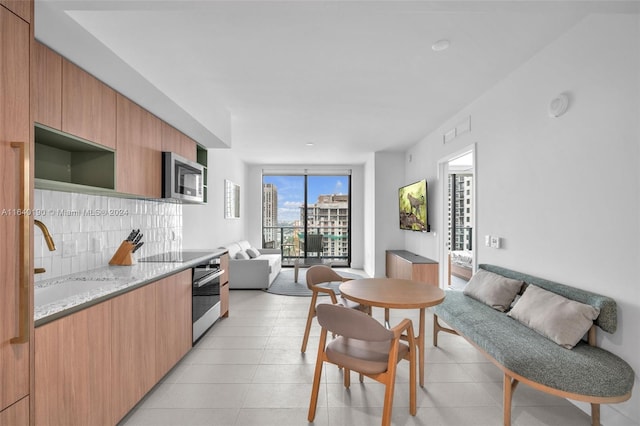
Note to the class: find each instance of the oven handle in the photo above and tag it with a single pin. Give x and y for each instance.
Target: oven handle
(208, 278)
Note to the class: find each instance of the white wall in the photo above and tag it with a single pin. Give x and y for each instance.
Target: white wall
(389, 176)
(205, 225)
(563, 193)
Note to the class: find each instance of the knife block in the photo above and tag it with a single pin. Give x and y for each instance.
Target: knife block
(123, 255)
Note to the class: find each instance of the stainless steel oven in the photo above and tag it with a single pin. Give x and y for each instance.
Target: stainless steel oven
(205, 296)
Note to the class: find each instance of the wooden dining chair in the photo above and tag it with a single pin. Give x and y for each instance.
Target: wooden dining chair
(366, 346)
(316, 276)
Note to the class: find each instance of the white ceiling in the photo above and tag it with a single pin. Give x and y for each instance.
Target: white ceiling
(269, 77)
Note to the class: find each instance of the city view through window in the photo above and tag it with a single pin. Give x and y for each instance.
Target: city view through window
(307, 216)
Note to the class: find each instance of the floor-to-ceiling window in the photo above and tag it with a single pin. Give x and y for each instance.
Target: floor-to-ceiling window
(308, 215)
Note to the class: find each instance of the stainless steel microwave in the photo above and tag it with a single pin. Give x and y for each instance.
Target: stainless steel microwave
(182, 179)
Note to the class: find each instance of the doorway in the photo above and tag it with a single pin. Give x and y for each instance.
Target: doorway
(458, 239)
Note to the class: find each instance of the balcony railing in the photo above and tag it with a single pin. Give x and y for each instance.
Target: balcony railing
(290, 241)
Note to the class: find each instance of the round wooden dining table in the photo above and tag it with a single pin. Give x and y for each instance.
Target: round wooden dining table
(393, 293)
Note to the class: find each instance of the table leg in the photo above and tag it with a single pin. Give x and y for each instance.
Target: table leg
(420, 339)
(296, 265)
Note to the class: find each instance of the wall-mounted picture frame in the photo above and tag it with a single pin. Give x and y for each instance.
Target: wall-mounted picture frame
(231, 200)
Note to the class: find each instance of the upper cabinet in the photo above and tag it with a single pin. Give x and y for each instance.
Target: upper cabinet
(69, 99)
(175, 141)
(88, 106)
(22, 8)
(138, 150)
(77, 115)
(47, 86)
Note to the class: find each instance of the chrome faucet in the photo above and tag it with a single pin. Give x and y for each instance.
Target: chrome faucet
(47, 239)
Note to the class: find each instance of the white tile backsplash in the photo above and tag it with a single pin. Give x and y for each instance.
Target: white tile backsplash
(83, 218)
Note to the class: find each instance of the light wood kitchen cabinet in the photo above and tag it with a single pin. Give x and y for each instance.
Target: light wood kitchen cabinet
(174, 140)
(409, 266)
(88, 106)
(22, 8)
(224, 286)
(138, 150)
(17, 414)
(47, 86)
(133, 334)
(73, 369)
(16, 317)
(93, 366)
(173, 319)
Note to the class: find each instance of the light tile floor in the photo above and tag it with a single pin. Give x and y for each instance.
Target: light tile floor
(248, 370)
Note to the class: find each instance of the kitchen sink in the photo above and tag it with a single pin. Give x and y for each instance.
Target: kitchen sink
(45, 295)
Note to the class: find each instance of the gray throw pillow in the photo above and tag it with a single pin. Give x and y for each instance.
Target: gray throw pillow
(253, 252)
(562, 320)
(242, 255)
(492, 289)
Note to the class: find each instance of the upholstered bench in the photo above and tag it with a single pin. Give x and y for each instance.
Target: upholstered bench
(583, 373)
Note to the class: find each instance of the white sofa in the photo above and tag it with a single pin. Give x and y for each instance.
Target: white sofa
(258, 272)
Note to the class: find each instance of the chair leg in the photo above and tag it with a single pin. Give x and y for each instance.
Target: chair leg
(315, 390)
(347, 378)
(412, 382)
(388, 398)
(307, 330)
(316, 377)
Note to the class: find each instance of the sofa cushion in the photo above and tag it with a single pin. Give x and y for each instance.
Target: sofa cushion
(253, 252)
(232, 248)
(273, 259)
(244, 244)
(560, 319)
(242, 255)
(493, 289)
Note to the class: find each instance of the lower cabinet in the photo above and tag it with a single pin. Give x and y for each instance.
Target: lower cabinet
(73, 369)
(403, 264)
(224, 286)
(92, 367)
(173, 321)
(16, 414)
(133, 336)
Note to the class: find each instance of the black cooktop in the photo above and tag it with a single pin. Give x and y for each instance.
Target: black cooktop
(175, 256)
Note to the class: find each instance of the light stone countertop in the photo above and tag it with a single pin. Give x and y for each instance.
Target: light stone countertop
(117, 280)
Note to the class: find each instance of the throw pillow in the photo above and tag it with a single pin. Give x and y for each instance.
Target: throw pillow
(492, 289)
(562, 320)
(242, 255)
(253, 252)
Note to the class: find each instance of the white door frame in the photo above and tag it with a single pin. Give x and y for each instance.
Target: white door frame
(443, 173)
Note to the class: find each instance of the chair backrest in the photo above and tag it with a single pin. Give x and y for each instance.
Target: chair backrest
(318, 274)
(313, 243)
(352, 323)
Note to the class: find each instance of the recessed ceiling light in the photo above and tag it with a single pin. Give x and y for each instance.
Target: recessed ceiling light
(309, 144)
(441, 45)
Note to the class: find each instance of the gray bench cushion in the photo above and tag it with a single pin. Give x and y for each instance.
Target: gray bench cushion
(583, 370)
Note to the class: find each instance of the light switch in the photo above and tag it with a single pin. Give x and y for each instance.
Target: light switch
(487, 240)
(495, 242)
